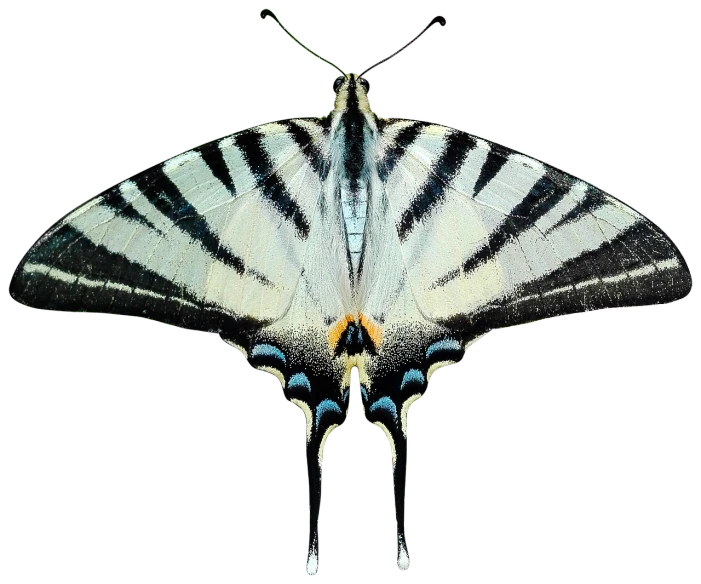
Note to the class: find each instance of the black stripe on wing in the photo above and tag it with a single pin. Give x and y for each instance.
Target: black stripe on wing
(271, 185)
(66, 271)
(547, 192)
(311, 151)
(496, 159)
(593, 199)
(165, 196)
(67, 250)
(114, 200)
(213, 157)
(639, 266)
(404, 138)
(433, 191)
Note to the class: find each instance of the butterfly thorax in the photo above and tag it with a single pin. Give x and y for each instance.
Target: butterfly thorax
(353, 136)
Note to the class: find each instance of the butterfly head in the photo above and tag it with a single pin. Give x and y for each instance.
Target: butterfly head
(351, 92)
(347, 79)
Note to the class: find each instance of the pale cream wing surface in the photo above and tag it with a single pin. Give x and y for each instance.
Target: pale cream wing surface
(218, 232)
(491, 237)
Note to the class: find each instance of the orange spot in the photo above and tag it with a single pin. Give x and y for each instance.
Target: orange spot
(372, 328)
(338, 329)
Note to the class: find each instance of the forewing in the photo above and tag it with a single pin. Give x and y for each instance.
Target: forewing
(492, 238)
(213, 239)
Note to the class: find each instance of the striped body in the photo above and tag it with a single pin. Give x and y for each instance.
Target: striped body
(319, 245)
(353, 141)
(354, 207)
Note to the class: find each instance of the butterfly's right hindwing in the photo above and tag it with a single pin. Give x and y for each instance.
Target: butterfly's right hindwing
(213, 239)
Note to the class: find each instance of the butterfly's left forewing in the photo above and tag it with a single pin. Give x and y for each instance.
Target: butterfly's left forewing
(212, 239)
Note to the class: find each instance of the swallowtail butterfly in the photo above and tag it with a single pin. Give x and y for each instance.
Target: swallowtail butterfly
(316, 245)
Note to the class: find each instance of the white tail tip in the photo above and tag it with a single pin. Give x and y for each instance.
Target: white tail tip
(403, 559)
(312, 564)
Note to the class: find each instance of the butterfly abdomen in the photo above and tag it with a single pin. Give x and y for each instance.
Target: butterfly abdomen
(354, 334)
(354, 208)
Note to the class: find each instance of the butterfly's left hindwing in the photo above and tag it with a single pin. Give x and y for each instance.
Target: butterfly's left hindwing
(237, 237)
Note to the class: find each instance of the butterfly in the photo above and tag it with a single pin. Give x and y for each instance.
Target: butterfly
(319, 245)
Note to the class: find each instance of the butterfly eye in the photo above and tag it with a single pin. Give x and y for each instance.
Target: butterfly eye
(337, 84)
(365, 84)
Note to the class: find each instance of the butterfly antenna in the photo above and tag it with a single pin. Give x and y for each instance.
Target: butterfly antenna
(437, 19)
(267, 12)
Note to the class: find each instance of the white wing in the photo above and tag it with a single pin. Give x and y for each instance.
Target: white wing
(241, 236)
(464, 236)
(212, 239)
(492, 238)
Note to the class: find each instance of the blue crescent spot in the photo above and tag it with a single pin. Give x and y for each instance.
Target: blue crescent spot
(326, 406)
(266, 350)
(386, 404)
(299, 380)
(413, 376)
(345, 395)
(443, 345)
(363, 392)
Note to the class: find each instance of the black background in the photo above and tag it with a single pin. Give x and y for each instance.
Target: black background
(131, 443)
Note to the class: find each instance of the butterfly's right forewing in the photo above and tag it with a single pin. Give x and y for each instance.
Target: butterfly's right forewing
(493, 238)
